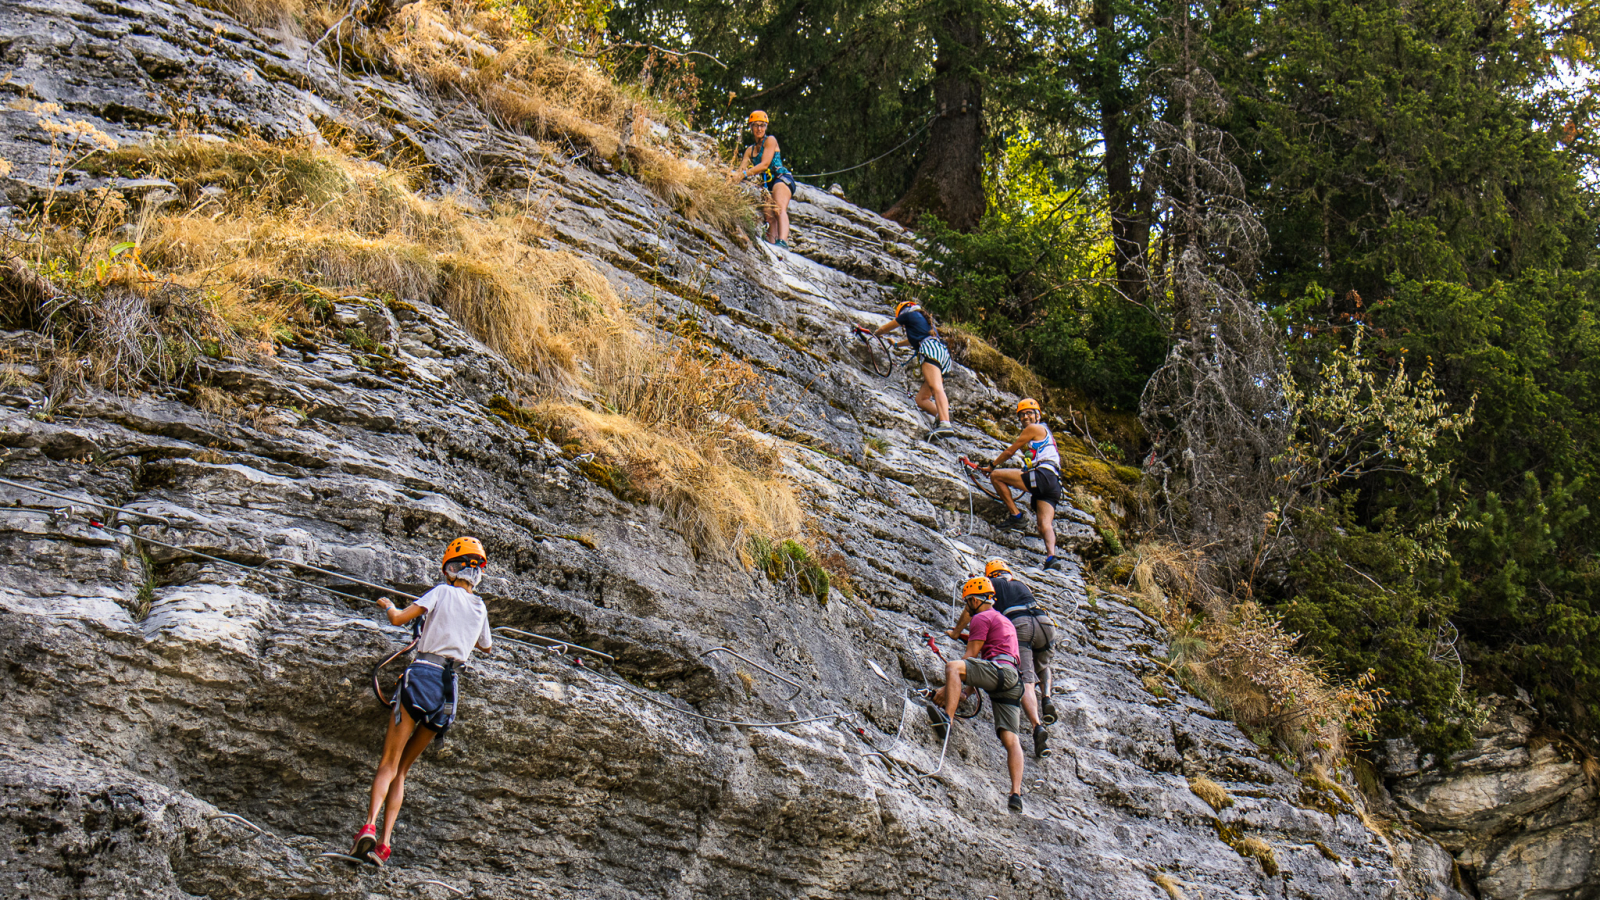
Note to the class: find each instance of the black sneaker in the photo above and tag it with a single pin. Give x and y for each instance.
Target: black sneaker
(1052, 562)
(1040, 736)
(1015, 803)
(941, 722)
(1047, 711)
(1013, 523)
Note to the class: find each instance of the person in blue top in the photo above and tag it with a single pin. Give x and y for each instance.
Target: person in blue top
(929, 350)
(1040, 475)
(764, 158)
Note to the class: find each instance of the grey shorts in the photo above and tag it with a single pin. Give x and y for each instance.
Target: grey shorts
(1006, 701)
(1035, 635)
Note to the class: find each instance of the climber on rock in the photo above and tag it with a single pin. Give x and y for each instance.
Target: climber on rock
(990, 663)
(928, 350)
(425, 702)
(764, 158)
(1040, 476)
(1035, 634)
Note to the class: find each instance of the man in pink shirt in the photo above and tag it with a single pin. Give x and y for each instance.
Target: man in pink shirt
(990, 663)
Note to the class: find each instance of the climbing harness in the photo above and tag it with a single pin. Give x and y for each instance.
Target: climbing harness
(798, 687)
(877, 348)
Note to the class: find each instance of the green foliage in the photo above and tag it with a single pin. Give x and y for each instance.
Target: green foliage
(789, 561)
(1357, 602)
(1028, 282)
(1392, 140)
(1529, 582)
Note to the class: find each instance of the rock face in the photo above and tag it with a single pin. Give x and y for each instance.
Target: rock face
(1517, 810)
(181, 727)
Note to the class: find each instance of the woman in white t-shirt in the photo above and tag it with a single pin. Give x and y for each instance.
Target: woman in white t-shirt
(425, 702)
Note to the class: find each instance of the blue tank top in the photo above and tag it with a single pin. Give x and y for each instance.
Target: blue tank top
(917, 326)
(777, 170)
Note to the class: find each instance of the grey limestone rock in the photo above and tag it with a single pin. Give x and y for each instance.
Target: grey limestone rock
(181, 727)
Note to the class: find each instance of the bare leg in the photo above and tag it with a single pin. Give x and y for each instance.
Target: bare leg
(1013, 759)
(1004, 480)
(1030, 705)
(394, 747)
(933, 381)
(925, 400)
(769, 212)
(955, 672)
(1047, 526)
(780, 218)
(397, 787)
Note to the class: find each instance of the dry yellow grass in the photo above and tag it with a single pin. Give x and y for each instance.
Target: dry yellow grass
(1238, 657)
(716, 505)
(675, 425)
(1260, 851)
(1169, 884)
(478, 51)
(1215, 795)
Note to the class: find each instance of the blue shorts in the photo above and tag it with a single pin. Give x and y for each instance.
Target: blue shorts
(428, 694)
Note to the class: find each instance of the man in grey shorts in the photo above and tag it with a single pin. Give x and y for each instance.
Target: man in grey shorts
(1035, 634)
(990, 663)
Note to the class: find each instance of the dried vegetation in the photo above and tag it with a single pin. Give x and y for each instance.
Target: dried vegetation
(1238, 657)
(268, 235)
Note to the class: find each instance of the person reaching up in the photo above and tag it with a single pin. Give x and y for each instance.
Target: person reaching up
(990, 663)
(1035, 634)
(425, 703)
(1040, 476)
(928, 349)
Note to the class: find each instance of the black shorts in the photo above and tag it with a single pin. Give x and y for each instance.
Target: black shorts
(1043, 485)
(428, 694)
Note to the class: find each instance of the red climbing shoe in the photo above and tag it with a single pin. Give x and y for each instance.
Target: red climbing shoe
(366, 839)
(379, 854)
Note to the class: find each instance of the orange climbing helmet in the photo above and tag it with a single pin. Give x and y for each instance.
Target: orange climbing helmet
(757, 116)
(465, 546)
(1026, 404)
(995, 566)
(905, 305)
(976, 585)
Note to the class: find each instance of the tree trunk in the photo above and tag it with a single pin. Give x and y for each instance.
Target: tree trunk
(949, 182)
(1130, 207)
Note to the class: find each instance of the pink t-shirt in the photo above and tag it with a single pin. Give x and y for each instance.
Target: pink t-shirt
(997, 633)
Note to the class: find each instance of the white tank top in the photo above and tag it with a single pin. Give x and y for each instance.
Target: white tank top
(1042, 453)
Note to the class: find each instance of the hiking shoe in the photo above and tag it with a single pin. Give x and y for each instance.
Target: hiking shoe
(1047, 711)
(941, 722)
(1041, 735)
(366, 839)
(1015, 803)
(944, 429)
(783, 244)
(378, 855)
(937, 433)
(1051, 562)
(1013, 523)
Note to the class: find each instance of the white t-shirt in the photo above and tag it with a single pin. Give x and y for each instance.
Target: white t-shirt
(456, 621)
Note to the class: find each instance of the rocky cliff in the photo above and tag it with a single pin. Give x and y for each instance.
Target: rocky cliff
(181, 726)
